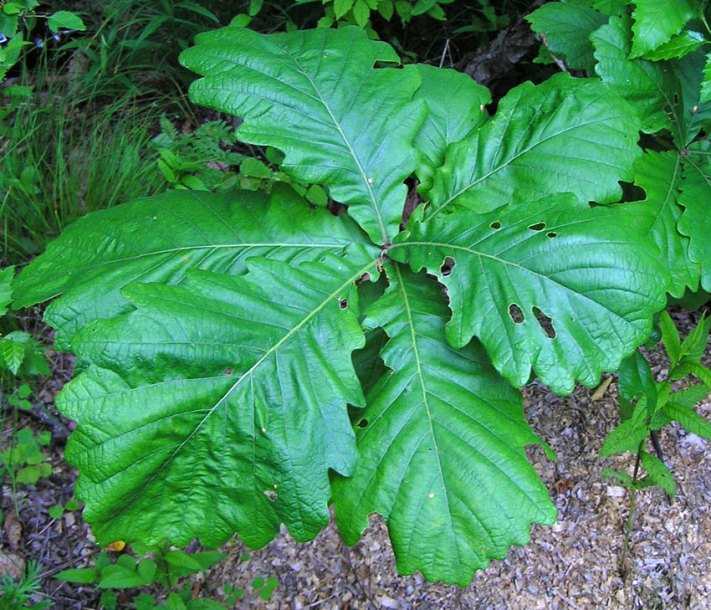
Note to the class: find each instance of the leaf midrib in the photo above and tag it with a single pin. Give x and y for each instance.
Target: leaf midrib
(248, 374)
(337, 125)
(509, 162)
(423, 388)
(512, 264)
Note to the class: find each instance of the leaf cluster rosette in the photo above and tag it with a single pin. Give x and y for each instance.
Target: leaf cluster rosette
(225, 339)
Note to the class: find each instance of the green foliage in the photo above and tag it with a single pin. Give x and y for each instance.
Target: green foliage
(647, 405)
(61, 161)
(219, 345)
(18, 19)
(17, 595)
(20, 354)
(200, 160)
(359, 12)
(6, 276)
(656, 21)
(265, 586)
(655, 59)
(58, 510)
(153, 565)
(24, 462)
(205, 160)
(567, 26)
(132, 48)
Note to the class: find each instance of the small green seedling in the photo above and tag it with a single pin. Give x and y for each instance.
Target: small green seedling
(647, 405)
(24, 461)
(150, 566)
(17, 595)
(265, 586)
(58, 510)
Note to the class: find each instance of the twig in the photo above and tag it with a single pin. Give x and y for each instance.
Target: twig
(445, 51)
(558, 62)
(630, 517)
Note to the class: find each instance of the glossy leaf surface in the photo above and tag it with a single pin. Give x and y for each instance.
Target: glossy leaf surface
(665, 94)
(648, 86)
(226, 339)
(566, 27)
(656, 21)
(696, 198)
(449, 117)
(660, 175)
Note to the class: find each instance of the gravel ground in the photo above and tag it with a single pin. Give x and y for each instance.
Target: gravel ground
(574, 564)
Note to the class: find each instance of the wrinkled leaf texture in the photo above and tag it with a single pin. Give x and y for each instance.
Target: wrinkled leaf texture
(219, 346)
(316, 96)
(159, 239)
(441, 445)
(218, 366)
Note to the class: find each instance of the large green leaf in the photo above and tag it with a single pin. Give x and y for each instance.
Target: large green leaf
(565, 135)
(316, 96)
(160, 238)
(665, 94)
(219, 405)
(555, 286)
(441, 446)
(656, 21)
(450, 117)
(567, 26)
(659, 174)
(650, 87)
(696, 198)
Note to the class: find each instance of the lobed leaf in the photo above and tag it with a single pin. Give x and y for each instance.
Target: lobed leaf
(649, 87)
(660, 175)
(160, 238)
(565, 135)
(553, 286)
(219, 405)
(666, 95)
(450, 118)
(316, 96)
(441, 446)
